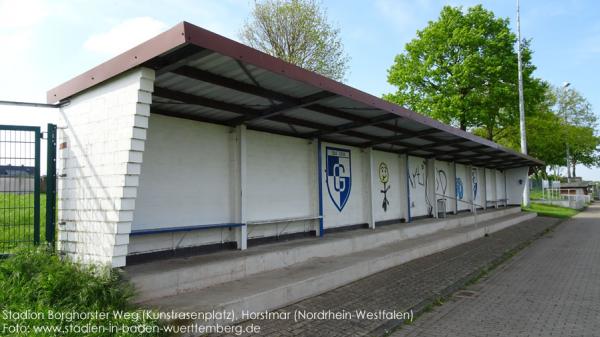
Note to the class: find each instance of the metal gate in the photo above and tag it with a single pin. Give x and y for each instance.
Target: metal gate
(27, 199)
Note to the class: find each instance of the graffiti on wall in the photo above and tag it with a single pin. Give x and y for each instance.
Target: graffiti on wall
(460, 192)
(441, 182)
(475, 181)
(418, 177)
(384, 178)
(339, 176)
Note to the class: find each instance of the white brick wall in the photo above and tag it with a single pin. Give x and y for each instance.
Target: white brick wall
(105, 132)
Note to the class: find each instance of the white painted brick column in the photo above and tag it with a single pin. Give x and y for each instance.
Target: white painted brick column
(101, 145)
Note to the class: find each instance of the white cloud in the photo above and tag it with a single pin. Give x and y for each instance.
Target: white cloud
(21, 13)
(18, 19)
(124, 36)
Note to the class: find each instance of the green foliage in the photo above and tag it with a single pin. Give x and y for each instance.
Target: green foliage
(39, 281)
(573, 107)
(580, 127)
(462, 70)
(545, 132)
(583, 146)
(549, 130)
(297, 31)
(551, 210)
(16, 218)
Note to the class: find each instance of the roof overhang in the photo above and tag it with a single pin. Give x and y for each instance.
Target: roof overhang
(206, 77)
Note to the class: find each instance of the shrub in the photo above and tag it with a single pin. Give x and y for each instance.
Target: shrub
(38, 282)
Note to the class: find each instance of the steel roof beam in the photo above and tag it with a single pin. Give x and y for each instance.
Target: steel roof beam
(357, 124)
(226, 82)
(285, 107)
(245, 111)
(427, 147)
(403, 136)
(177, 59)
(208, 77)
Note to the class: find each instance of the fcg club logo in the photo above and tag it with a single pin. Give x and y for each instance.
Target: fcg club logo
(339, 176)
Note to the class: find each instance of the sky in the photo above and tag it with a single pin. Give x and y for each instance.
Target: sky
(46, 42)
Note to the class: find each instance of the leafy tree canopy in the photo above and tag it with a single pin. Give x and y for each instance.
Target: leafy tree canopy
(462, 70)
(561, 118)
(297, 31)
(580, 128)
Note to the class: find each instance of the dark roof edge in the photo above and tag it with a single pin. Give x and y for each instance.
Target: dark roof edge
(185, 32)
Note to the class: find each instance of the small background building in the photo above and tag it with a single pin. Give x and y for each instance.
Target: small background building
(16, 179)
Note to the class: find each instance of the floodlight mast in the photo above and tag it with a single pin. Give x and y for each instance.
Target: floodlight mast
(565, 89)
(522, 104)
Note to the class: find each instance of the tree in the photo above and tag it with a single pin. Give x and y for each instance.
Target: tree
(574, 108)
(297, 31)
(579, 131)
(462, 70)
(542, 128)
(548, 131)
(583, 147)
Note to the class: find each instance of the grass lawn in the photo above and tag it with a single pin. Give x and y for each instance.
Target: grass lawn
(536, 194)
(551, 211)
(16, 220)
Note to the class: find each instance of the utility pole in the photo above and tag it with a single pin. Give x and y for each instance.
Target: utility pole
(565, 93)
(522, 104)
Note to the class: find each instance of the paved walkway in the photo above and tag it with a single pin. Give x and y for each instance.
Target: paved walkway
(402, 287)
(550, 289)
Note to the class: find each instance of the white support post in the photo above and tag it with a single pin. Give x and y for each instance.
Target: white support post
(483, 188)
(430, 171)
(242, 233)
(495, 188)
(468, 186)
(453, 189)
(318, 186)
(403, 187)
(505, 190)
(370, 188)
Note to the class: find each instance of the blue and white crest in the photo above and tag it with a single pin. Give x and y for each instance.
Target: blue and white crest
(339, 176)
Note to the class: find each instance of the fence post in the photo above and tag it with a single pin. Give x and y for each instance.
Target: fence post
(36, 189)
(51, 184)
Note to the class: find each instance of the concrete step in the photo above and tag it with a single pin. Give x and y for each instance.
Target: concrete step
(278, 288)
(178, 275)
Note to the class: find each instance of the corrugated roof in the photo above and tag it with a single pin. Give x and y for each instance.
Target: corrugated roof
(204, 76)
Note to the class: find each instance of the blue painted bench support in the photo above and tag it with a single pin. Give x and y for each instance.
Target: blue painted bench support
(283, 221)
(138, 232)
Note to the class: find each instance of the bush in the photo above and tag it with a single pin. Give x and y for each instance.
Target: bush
(40, 283)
